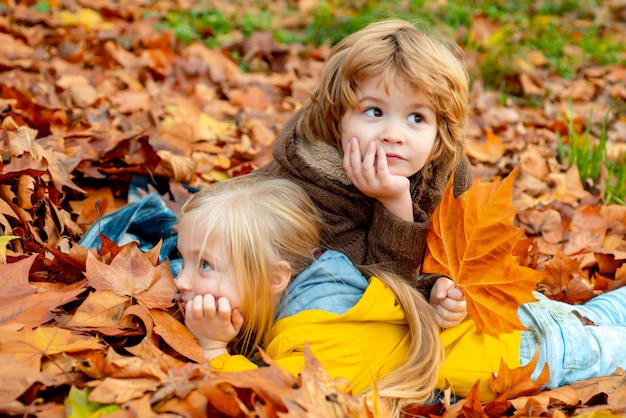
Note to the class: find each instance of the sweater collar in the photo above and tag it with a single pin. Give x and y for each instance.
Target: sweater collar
(323, 157)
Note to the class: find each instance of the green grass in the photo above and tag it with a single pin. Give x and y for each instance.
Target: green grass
(560, 30)
(594, 165)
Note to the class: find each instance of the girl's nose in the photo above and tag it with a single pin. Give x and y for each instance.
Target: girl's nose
(183, 280)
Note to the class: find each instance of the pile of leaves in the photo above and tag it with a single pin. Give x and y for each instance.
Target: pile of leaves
(94, 99)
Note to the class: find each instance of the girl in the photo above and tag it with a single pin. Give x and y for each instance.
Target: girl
(253, 275)
(374, 147)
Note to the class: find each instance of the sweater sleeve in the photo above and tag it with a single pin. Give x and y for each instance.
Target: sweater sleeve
(463, 177)
(398, 244)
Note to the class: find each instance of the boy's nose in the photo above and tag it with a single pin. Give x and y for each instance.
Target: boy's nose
(393, 139)
(393, 133)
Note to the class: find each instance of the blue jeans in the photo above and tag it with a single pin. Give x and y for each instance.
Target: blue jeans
(574, 351)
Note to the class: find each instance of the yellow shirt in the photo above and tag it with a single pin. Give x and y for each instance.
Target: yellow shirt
(361, 345)
(470, 356)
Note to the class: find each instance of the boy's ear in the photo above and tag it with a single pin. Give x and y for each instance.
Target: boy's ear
(281, 277)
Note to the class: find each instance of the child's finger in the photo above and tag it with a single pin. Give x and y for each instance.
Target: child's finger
(236, 319)
(355, 155)
(207, 305)
(369, 159)
(223, 308)
(382, 167)
(456, 294)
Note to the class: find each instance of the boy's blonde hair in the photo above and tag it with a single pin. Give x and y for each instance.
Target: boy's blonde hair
(264, 220)
(392, 49)
(261, 221)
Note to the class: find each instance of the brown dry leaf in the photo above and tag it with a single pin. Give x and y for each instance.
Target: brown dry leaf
(21, 303)
(587, 230)
(176, 335)
(113, 390)
(29, 345)
(15, 378)
(472, 406)
(14, 49)
(490, 151)
(96, 204)
(132, 366)
(321, 396)
(268, 386)
(471, 240)
(101, 311)
(565, 280)
(148, 350)
(513, 383)
(131, 273)
(577, 393)
(58, 164)
(567, 186)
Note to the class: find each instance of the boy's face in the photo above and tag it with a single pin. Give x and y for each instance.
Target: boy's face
(214, 274)
(403, 123)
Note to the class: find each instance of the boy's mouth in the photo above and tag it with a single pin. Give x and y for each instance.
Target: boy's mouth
(392, 156)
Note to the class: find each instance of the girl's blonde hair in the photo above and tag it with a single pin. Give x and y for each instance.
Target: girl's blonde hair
(261, 221)
(415, 380)
(264, 220)
(393, 49)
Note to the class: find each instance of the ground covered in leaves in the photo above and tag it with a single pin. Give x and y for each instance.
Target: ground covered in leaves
(93, 95)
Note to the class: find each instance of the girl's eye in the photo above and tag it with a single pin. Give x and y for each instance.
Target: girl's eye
(416, 118)
(373, 112)
(205, 265)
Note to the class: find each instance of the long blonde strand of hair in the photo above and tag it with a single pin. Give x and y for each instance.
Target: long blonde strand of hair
(413, 382)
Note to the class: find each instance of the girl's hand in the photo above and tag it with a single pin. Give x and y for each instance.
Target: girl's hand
(213, 323)
(449, 303)
(370, 174)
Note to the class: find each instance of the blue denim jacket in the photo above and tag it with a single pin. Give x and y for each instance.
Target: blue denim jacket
(147, 221)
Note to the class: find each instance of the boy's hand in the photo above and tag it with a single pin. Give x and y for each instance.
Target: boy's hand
(370, 174)
(449, 303)
(213, 323)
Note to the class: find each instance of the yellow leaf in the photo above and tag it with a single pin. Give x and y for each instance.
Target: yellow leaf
(4, 241)
(218, 127)
(471, 240)
(87, 18)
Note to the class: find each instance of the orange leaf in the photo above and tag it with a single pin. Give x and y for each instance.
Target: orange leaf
(176, 335)
(103, 311)
(471, 240)
(20, 302)
(15, 379)
(512, 383)
(490, 151)
(131, 273)
(565, 280)
(29, 345)
(472, 406)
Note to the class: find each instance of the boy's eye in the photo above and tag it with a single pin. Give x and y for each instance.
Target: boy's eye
(373, 112)
(205, 265)
(416, 118)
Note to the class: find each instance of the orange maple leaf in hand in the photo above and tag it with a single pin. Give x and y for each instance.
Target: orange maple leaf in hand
(471, 240)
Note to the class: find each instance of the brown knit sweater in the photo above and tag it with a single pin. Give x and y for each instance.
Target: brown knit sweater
(355, 224)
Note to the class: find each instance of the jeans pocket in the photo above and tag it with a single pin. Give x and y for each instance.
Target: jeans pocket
(580, 348)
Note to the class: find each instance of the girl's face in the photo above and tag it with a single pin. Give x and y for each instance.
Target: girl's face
(403, 123)
(214, 274)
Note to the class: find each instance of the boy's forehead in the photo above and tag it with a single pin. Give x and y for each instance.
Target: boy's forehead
(378, 81)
